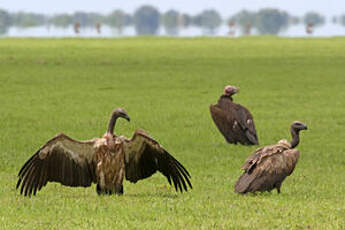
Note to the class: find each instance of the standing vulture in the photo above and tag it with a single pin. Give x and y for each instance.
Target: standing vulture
(268, 166)
(105, 161)
(233, 120)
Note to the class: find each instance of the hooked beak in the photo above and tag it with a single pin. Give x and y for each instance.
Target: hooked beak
(127, 117)
(236, 89)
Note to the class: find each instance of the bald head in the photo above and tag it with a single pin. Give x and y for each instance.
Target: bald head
(230, 90)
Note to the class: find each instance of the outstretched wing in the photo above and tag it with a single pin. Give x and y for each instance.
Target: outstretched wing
(62, 159)
(222, 121)
(144, 156)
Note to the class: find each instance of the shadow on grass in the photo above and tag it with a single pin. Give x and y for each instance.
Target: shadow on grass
(145, 195)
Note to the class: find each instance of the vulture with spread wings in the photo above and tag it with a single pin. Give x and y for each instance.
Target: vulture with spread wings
(233, 120)
(105, 161)
(268, 166)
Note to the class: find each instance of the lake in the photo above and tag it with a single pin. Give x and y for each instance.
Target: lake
(327, 30)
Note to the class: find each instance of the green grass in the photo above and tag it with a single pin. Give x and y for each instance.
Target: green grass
(166, 85)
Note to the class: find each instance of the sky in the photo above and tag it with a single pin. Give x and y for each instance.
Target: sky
(226, 8)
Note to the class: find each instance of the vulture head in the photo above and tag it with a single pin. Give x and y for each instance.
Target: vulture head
(230, 90)
(295, 128)
(298, 126)
(118, 112)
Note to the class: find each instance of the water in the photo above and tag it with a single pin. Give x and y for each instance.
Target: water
(327, 30)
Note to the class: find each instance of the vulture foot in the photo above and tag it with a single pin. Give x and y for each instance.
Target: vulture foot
(119, 189)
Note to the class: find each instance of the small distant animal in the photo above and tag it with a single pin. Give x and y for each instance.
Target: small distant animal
(98, 27)
(233, 120)
(309, 28)
(77, 27)
(267, 167)
(105, 161)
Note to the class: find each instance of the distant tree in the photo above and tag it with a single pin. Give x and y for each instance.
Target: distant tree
(61, 20)
(208, 20)
(22, 19)
(342, 19)
(196, 20)
(95, 18)
(294, 20)
(5, 18)
(170, 21)
(313, 18)
(5, 21)
(271, 21)
(146, 20)
(118, 19)
(87, 19)
(245, 19)
(184, 20)
(334, 19)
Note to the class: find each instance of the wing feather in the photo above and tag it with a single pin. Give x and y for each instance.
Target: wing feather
(234, 121)
(223, 122)
(144, 156)
(267, 167)
(62, 159)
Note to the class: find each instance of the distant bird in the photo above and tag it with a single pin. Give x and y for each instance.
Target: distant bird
(248, 28)
(268, 166)
(76, 27)
(232, 29)
(233, 120)
(105, 161)
(98, 27)
(309, 28)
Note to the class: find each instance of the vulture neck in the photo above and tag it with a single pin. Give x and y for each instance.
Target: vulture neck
(112, 123)
(295, 138)
(226, 97)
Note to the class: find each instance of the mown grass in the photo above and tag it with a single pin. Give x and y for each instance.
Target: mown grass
(166, 85)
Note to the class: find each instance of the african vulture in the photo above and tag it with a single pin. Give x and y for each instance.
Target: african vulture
(233, 120)
(104, 161)
(268, 166)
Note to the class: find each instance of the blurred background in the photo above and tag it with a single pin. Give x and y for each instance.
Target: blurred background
(105, 18)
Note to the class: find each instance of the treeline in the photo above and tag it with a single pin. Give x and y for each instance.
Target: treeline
(147, 20)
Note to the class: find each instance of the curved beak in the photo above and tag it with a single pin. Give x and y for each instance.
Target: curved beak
(127, 117)
(236, 89)
(305, 127)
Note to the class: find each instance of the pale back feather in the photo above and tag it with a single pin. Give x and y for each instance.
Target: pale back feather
(267, 167)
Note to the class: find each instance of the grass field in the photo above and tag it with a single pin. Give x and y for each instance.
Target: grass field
(166, 85)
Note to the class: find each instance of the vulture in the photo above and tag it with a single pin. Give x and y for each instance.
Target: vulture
(105, 161)
(233, 120)
(268, 166)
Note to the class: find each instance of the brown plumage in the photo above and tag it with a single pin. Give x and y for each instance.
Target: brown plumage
(233, 120)
(105, 161)
(268, 166)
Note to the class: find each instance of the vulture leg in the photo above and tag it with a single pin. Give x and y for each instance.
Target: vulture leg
(98, 190)
(278, 187)
(119, 189)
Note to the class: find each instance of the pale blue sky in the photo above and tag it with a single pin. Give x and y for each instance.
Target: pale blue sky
(225, 7)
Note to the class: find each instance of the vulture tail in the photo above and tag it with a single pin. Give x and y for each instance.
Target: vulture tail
(243, 183)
